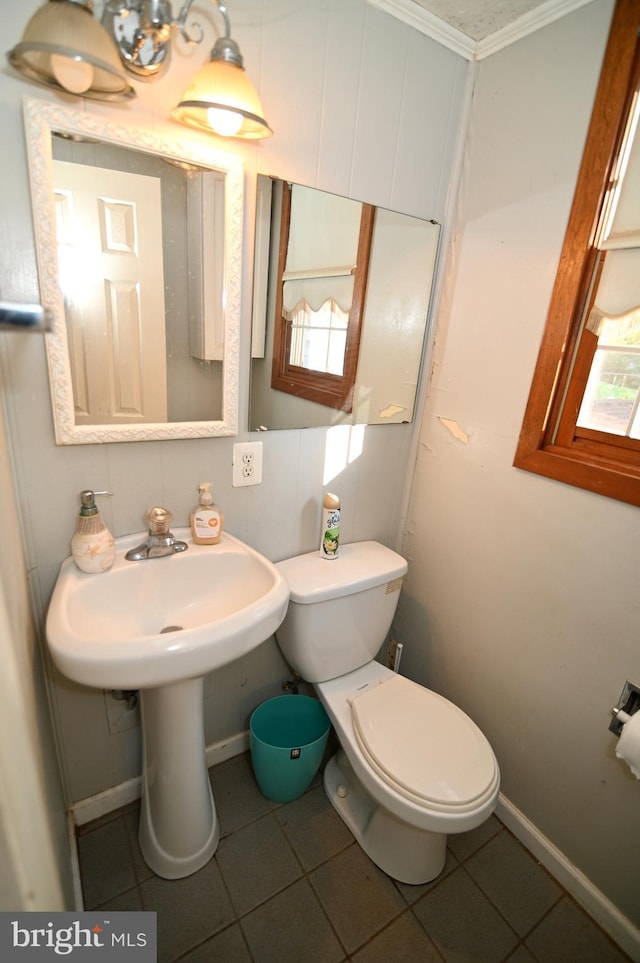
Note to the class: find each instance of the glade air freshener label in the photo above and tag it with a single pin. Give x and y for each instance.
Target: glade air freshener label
(330, 532)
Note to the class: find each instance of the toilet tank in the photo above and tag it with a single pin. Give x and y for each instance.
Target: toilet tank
(340, 610)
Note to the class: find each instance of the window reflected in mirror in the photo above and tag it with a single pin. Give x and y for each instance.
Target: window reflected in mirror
(324, 248)
(341, 302)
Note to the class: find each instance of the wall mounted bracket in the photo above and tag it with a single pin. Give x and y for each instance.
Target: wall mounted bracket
(23, 317)
(628, 703)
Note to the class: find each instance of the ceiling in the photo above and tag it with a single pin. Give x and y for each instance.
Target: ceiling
(477, 28)
(478, 19)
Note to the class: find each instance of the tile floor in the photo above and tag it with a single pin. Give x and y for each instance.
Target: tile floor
(288, 884)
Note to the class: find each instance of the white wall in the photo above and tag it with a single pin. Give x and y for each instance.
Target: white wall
(36, 870)
(342, 86)
(522, 600)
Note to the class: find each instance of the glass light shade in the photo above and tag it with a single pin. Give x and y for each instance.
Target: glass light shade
(64, 46)
(222, 99)
(76, 76)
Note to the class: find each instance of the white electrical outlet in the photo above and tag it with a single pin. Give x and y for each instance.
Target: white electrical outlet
(247, 463)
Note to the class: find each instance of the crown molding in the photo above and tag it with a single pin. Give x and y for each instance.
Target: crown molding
(411, 13)
(427, 23)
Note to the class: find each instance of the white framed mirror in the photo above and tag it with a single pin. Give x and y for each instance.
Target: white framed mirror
(177, 378)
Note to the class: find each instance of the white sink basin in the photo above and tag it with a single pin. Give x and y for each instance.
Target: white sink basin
(160, 625)
(151, 623)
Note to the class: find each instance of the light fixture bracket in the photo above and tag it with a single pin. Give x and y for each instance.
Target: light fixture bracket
(227, 50)
(141, 30)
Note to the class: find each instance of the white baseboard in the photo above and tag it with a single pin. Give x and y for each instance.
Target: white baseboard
(221, 751)
(619, 928)
(86, 810)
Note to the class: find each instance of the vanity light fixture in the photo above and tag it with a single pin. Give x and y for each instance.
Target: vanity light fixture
(64, 46)
(220, 98)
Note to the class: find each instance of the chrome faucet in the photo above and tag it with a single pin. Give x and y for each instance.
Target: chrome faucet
(160, 541)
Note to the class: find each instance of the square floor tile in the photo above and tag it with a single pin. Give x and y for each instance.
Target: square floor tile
(567, 933)
(462, 845)
(404, 941)
(412, 893)
(132, 822)
(257, 862)
(514, 882)
(105, 863)
(314, 828)
(521, 955)
(190, 910)
(100, 821)
(462, 922)
(226, 947)
(292, 928)
(358, 898)
(128, 902)
(237, 797)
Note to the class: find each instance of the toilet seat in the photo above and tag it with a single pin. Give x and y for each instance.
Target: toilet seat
(423, 746)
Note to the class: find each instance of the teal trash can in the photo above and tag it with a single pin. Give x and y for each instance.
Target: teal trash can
(288, 736)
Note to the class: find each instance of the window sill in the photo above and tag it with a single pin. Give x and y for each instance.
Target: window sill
(598, 473)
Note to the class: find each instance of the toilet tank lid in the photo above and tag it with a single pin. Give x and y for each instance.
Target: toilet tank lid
(359, 566)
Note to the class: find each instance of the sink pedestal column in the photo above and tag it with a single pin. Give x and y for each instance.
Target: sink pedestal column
(179, 829)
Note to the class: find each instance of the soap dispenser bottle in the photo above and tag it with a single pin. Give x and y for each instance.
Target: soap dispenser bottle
(206, 518)
(93, 546)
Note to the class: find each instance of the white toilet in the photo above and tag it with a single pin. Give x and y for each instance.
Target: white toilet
(412, 767)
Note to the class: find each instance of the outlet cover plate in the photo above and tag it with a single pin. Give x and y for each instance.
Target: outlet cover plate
(247, 463)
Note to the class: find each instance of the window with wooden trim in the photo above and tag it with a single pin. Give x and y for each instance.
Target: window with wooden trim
(322, 278)
(582, 422)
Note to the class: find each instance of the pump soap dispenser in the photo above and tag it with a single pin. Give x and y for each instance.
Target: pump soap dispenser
(93, 546)
(206, 518)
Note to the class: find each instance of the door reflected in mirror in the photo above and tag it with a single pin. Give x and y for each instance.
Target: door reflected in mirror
(341, 301)
(131, 273)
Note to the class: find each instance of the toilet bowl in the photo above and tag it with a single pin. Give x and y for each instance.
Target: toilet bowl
(412, 767)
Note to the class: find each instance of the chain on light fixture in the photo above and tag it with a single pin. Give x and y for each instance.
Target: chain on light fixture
(65, 47)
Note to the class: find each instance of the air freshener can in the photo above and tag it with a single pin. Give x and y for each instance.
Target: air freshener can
(330, 526)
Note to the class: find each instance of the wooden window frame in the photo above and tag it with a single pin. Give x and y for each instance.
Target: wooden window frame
(333, 391)
(550, 444)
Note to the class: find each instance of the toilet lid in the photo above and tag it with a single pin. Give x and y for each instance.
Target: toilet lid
(424, 746)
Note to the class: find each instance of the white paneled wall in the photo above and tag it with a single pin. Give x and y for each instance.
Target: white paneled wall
(361, 105)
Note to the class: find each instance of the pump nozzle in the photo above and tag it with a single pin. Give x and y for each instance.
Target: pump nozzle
(88, 503)
(204, 490)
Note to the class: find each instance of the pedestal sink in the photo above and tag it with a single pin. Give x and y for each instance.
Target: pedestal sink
(160, 626)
